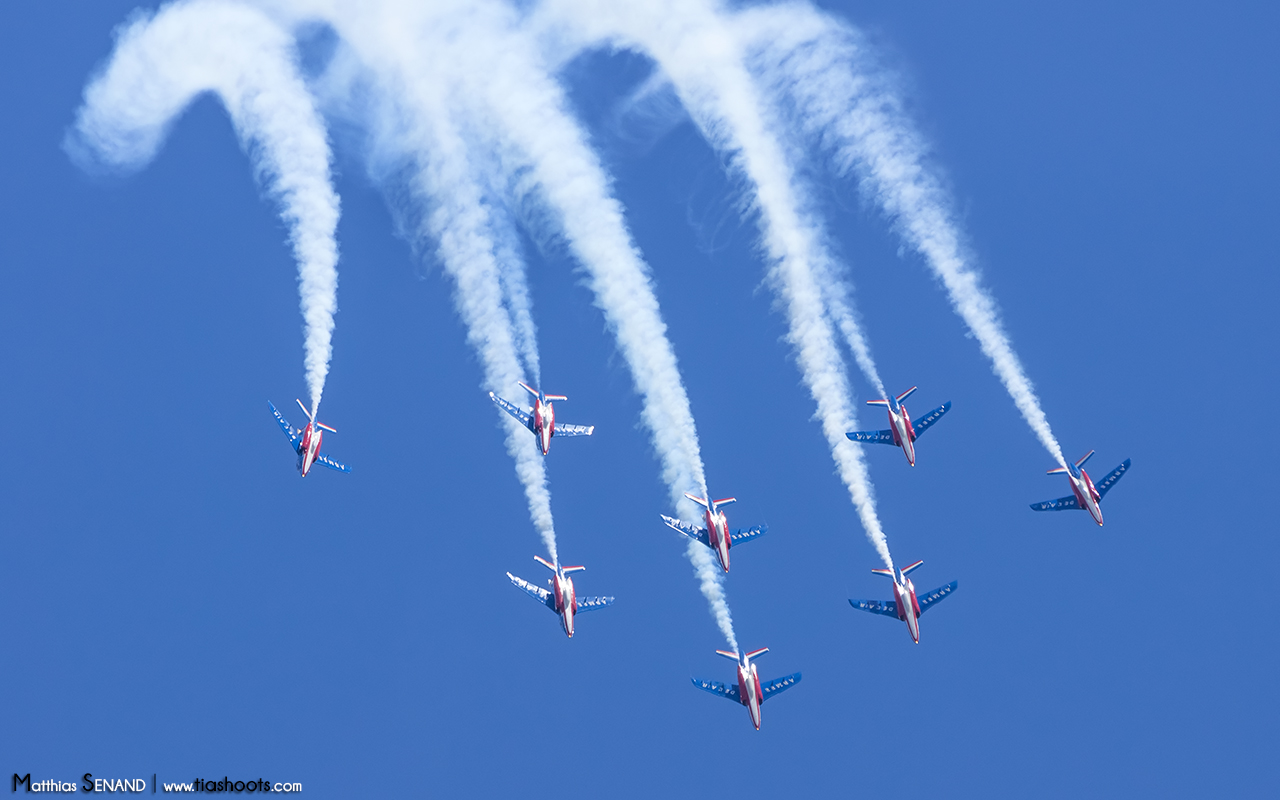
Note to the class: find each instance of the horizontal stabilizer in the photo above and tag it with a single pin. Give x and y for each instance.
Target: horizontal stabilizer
(567, 570)
(326, 427)
(924, 423)
(889, 608)
(295, 435)
(545, 563)
(718, 688)
(1087, 456)
(305, 410)
(528, 388)
(755, 653)
(886, 572)
(907, 393)
(877, 402)
(729, 654)
(536, 592)
(702, 501)
(555, 397)
(724, 501)
(742, 535)
(1056, 471)
(931, 599)
(1106, 483)
(513, 409)
(564, 429)
(873, 437)
(593, 603)
(778, 686)
(692, 531)
(321, 458)
(1061, 504)
(907, 569)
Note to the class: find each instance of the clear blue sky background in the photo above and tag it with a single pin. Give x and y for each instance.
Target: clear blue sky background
(176, 600)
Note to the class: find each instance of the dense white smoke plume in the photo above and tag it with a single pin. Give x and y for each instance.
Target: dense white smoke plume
(696, 48)
(488, 76)
(162, 63)
(821, 68)
(391, 60)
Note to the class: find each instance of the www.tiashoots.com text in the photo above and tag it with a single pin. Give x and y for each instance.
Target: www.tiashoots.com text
(88, 783)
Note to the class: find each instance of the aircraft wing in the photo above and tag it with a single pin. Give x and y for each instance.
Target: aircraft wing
(936, 596)
(716, 687)
(295, 435)
(688, 530)
(562, 429)
(592, 603)
(887, 607)
(513, 409)
(924, 423)
(879, 437)
(1061, 504)
(778, 686)
(536, 592)
(1106, 483)
(321, 458)
(742, 535)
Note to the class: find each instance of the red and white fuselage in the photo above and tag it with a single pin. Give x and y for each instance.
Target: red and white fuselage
(749, 692)
(544, 423)
(311, 438)
(717, 526)
(904, 596)
(544, 416)
(563, 592)
(1086, 494)
(903, 434)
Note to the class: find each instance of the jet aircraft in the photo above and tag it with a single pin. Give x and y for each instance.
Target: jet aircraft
(541, 419)
(306, 442)
(906, 606)
(1084, 495)
(748, 690)
(902, 432)
(561, 598)
(716, 535)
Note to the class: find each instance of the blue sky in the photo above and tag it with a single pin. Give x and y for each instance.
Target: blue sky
(176, 600)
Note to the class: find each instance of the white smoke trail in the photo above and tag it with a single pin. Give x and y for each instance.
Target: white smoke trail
(853, 109)
(412, 121)
(697, 50)
(526, 108)
(466, 62)
(163, 62)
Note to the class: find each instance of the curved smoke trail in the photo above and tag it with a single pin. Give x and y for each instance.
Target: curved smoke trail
(468, 62)
(697, 49)
(161, 63)
(413, 122)
(821, 67)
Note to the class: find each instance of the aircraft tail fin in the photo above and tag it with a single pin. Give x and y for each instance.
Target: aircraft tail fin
(1087, 456)
(545, 563)
(756, 653)
(729, 654)
(907, 393)
(567, 570)
(907, 569)
(887, 572)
